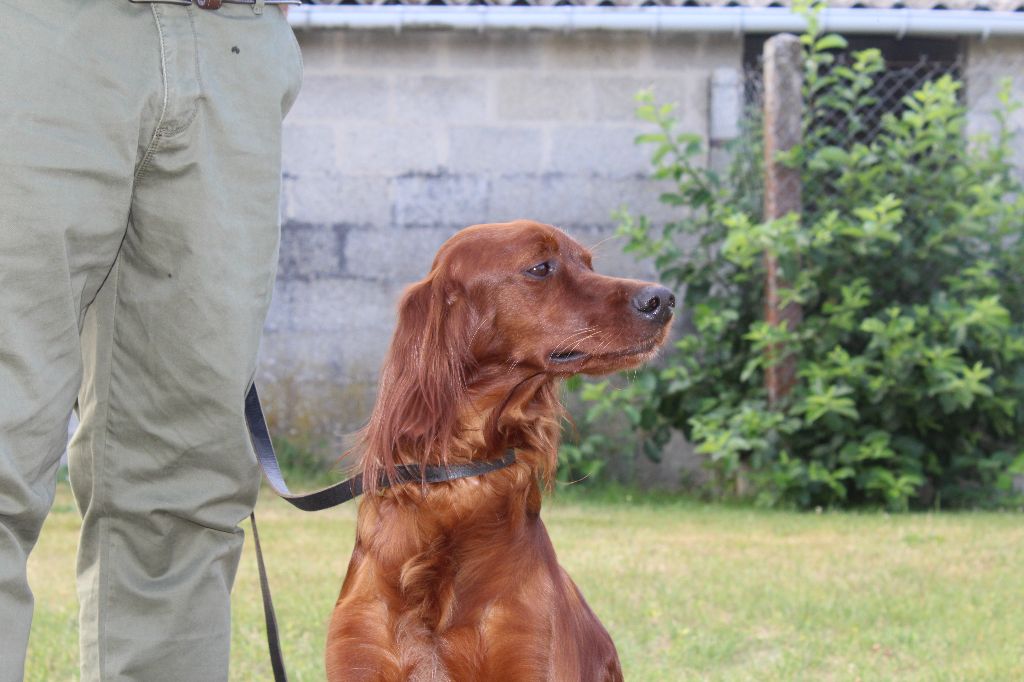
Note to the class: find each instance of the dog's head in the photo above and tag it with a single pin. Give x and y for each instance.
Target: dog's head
(531, 299)
(505, 304)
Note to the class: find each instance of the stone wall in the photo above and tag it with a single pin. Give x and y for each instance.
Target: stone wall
(399, 140)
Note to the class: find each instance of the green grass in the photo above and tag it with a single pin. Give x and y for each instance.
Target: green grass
(688, 591)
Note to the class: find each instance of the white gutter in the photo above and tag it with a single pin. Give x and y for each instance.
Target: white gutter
(735, 20)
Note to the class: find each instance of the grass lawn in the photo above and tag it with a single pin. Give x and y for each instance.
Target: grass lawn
(688, 591)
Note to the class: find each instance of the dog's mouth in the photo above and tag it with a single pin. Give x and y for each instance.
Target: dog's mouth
(566, 357)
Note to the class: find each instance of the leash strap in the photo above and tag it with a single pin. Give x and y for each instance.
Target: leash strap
(273, 640)
(344, 491)
(330, 496)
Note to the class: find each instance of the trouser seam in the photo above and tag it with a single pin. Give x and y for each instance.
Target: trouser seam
(199, 80)
(157, 131)
(99, 462)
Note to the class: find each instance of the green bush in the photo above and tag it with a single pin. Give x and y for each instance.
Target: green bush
(910, 353)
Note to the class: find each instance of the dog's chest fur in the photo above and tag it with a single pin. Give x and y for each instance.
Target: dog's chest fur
(455, 565)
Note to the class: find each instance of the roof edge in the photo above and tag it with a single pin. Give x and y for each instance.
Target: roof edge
(659, 19)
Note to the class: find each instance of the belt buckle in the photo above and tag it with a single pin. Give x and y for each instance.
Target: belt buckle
(208, 4)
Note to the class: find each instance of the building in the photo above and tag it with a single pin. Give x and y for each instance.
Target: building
(417, 119)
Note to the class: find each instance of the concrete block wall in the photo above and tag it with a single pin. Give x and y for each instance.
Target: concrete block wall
(399, 140)
(988, 63)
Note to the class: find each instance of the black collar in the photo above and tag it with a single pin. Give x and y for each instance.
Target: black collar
(353, 487)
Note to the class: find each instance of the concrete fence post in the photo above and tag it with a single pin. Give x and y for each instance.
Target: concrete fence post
(783, 114)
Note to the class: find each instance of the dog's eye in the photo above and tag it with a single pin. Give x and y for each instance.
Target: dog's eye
(541, 270)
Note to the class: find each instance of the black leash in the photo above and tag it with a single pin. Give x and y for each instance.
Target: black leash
(330, 497)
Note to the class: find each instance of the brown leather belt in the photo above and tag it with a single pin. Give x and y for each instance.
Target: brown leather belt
(215, 4)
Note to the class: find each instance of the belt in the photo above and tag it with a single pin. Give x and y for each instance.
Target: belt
(215, 4)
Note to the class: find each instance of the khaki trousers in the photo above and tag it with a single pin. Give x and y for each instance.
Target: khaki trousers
(139, 185)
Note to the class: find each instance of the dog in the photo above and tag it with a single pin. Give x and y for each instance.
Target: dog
(459, 581)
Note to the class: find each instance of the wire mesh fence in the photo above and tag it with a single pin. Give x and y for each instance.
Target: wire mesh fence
(889, 93)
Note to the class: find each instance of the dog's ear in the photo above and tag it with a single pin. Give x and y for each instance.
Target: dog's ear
(423, 382)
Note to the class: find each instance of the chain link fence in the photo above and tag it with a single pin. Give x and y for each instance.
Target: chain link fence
(888, 95)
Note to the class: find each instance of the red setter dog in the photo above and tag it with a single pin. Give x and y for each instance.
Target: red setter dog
(458, 581)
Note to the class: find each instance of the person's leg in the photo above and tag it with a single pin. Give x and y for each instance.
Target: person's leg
(161, 464)
(71, 101)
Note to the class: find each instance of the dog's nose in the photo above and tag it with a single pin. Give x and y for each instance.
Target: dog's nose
(654, 303)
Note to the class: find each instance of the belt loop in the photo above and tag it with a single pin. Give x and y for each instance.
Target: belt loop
(257, 7)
